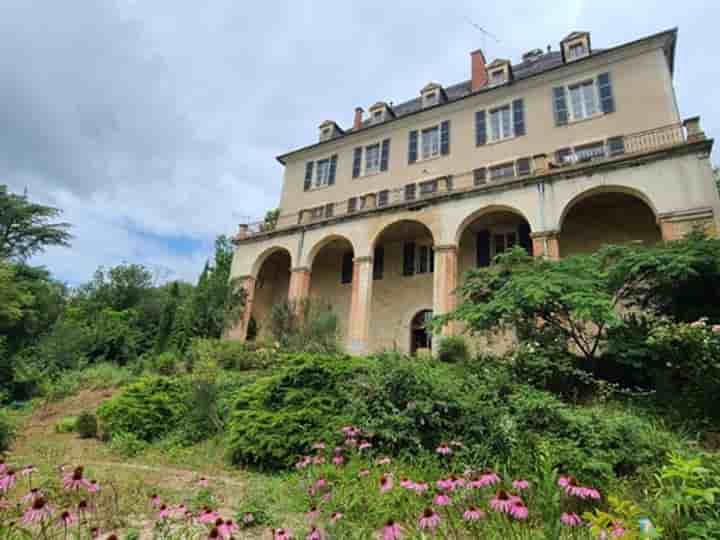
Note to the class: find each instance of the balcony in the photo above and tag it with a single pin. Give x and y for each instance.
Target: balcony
(563, 160)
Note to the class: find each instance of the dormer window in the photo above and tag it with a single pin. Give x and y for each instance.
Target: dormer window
(329, 130)
(497, 76)
(431, 99)
(380, 112)
(576, 46)
(432, 94)
(377, 116)
(577, 50)
(499, 72)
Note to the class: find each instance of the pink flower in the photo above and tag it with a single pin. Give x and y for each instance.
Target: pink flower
(207, 515)
(84, 507)
(314, 534)
(386, 483)
(38, 511)
(364, 445)
(383, 461)
(335, 517)
(318, 460)
(227, 528)
(248, 518)
(7, 482)
(164, 511)
(28, 470)
(155, 501)
(521, 484)
(571, 519)
(716, 328)
(281, 534)
(304, 462)
(518, 510)
(429, 519)
(503, 501)
(572, 488)
(75, 479)
(92, 486)
(617, 531)
(442, 500)
(473, 514)
(420, 487)
(407, 483)
(203, 483)
(446, 484)
(338, 459)
(313, 514)
(444, 449)
(32, 495)
(363, 472)
(485, 478)
(319, 446)
(67, 518)
(350, 431)
(391, 531)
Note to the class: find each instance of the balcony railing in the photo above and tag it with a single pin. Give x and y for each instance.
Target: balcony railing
(485, 177)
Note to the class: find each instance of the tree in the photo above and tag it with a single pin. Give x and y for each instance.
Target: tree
(26, 228)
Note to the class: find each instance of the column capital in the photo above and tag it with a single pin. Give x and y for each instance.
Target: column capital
(300, 269)
(545, 234)
(445, 247)
(363, 259)
(244, 277)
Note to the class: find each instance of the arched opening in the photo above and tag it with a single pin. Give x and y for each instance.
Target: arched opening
(271, 288)
(420, 334)
(403, 267)
(489, 232)
(603, 217)
(331, 276)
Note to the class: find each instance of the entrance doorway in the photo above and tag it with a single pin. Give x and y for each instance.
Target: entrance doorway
(420, 334)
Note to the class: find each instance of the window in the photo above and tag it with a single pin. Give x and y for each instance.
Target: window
(500, 124)
(497, 76)
(346, 272)
(430, 142)
(428, 188)
(372, 159)
(329, 210)
(378, 262)
(583, 99)
(323, 172)
(377, 115)
(352, 205)
(431, 99)
(480, 176)
(502, 241)
(507, 170)
(317, 212)
(616, 146)
(590, 151)
(564, 155)
(424, 260)
(383, 198)
(410, 192)
(578, 50)
(523, 166)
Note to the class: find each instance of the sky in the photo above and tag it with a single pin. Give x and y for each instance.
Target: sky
(154, 125)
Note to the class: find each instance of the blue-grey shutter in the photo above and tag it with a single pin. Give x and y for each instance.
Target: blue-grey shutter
(409, 259)
(309, 166)
(518, 110)
(413, 146)
(616, 145)
(422, 266)
(357, 162)
(524, 237)
(480, 176)
(385, 155)
(410, 192)
(483, 248)
(523, 166)
(445, 138)
(560, 106)
(333, 170)
(480, 128)
(607, 102)
(352, 205)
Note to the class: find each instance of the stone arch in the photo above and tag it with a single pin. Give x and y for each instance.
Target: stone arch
(607, 215)
(272, 281)
(398, 223)
(477, 214)
(264, 255)
(324, 241)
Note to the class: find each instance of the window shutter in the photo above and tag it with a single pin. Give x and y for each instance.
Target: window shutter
(357, 162)
(524, 237)
(518, 110)
(347, 267)
(385, 155)
(616, 145)
(410, 192)
(329, 210)
(352, 205)
(483, 248)
(413, 146)
(378, 262)
(607, 102)
(309, 166)
(480, 128)
(445, 138)
(432, 259)
(561, 154)
(523, 166)
(383, 197)
(560, 106)
(480, 176)
(409, 259)
(422, 260)
(333, 170)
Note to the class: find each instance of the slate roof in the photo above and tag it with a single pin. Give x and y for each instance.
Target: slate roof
(524, 70)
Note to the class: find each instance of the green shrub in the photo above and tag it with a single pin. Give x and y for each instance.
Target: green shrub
(127, 444)
(66, 425)
(148, 409)
(165, 363)
(227, 354)
(310, 326)
(452, 349)
(86, 425)
(280, 416)
(7, 431)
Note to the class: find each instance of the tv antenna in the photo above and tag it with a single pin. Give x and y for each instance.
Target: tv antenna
(485, 33)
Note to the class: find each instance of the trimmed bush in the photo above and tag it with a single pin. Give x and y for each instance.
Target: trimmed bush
(86, 425)
(279, 417)
(452, 349)
(148, 409)
(66, 425)
(7, 431)
(226, 354)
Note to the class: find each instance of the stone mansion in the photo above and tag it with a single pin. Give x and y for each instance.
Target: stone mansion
(560, 153)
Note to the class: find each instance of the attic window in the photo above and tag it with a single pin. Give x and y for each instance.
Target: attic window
(498, 76)
(377, 115)
(577, 50)
(431, 98)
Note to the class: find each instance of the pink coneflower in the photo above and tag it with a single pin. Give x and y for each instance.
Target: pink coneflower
(407, 483)
(618, 531)
(7, 482)
(521, 484)
(335, 517)
(351, 442)
(391, 531)
(208, 516)
(386, 483)
(444, 449)
(484, 479)
(214, 533)
(716, 328)
(178, 511)
(164, 511)
(446, 484)
(313, 514)
(364, 445)
(304, 462)
(203, 482)
(92, 486)
(503, 501)
(318, 446)
(75, 479)
(363, 472)
(3, 466)
(155, 501)
(518, 510)
(350, 431)
(38, 511)
(318, 460)
(83, 507)
(281, 534)
(473, 514)
(571, 519)
(248, 518)
(321, 483)
(338, 460)
(31, 495)
(314, 534)
(28, 470)
(384, 461)
(442, 500)
(429, 519)
(227, 528)
(420, 487)
(67, 518)
(95, 532)
(572, 488)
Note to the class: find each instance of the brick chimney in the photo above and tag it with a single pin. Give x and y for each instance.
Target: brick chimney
(357, 123)
(479, 72)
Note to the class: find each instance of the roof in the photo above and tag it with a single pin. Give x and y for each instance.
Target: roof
(524, 70)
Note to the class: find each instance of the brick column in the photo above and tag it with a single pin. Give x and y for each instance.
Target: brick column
(445, 283)
(361, 300)
(546, 241)
(239, 332)
(299, 284)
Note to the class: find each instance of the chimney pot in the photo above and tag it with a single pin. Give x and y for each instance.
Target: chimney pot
(478, 70)
(357, 123)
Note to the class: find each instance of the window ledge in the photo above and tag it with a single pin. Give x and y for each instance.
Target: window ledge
(369, 175)
(572, 122)
(421, 160)
(319, 188)
(499, 141)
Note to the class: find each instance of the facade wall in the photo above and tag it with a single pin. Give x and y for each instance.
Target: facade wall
(326, 286)
(271, 288)
(643, 66)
